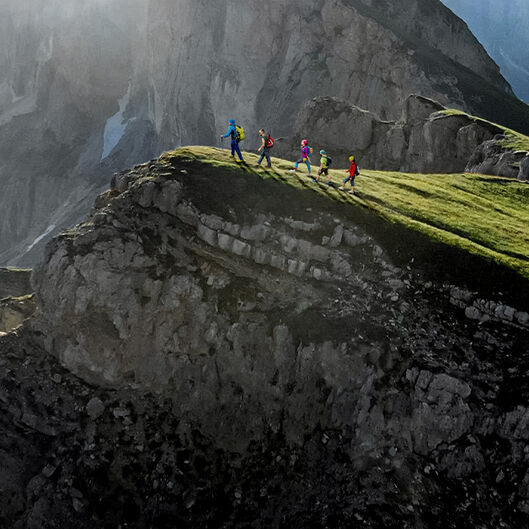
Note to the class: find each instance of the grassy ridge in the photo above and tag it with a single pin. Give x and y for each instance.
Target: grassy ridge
(487, 216)
(513, 140)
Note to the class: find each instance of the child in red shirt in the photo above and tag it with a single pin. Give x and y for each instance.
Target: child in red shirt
(351, 173)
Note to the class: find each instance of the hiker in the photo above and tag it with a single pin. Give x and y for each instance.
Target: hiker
(351, 173)
(325, 162)
(267, 144)
(305, 156)
(235, 139)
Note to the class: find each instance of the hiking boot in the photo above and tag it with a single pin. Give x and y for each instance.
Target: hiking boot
(314, 180)
(341, 188)
(330, 184)
(293, 170)
(351, 192)
(231, 156)
(239, 161)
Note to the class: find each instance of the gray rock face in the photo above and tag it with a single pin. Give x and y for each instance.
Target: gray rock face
(248, 308)
(59, 84)
(503, 32)
(423, 140)
(226, 343)
(105, 85)
(492, 158)
(523, 174)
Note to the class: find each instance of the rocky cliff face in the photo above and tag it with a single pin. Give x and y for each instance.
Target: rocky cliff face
(249, 365)
(502, 29)
(63, 70)
(107, 84)
(424, 139)
(427, 138)
(491, 157)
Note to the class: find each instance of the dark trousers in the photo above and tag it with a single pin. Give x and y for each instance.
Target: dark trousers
(265, 154)
(235, 148)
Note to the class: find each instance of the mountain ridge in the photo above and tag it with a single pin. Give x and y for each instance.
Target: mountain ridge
(182, 82)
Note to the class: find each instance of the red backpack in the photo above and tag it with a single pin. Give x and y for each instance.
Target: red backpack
(270, 142)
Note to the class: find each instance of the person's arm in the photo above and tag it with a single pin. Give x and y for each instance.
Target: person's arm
(263, 145)
(230, 130)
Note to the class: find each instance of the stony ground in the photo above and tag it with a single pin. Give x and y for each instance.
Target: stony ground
(320, 368)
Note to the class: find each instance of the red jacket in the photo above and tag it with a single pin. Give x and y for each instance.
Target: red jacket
(352, 169)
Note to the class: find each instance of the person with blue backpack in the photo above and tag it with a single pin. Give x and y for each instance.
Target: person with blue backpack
(325, 163)
(352, 172)
(306, 153)
(235, 133)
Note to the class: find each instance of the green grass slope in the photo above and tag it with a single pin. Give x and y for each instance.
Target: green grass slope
(515, 141)
(487, 216)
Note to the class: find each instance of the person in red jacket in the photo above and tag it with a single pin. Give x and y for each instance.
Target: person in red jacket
(351, 173)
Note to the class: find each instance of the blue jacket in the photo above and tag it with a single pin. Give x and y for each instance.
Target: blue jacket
(232, 131)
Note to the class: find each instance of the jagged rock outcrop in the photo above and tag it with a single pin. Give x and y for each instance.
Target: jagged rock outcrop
(104, 85)
(491, 157)
(249, 365)
(426, 139)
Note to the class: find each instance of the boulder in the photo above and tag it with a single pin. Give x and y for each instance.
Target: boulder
(492, 158)
(523, 174)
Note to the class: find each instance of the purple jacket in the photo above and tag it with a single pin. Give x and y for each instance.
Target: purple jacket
(305, 152)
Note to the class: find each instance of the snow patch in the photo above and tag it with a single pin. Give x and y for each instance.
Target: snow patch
(49, 229)
(115, 127)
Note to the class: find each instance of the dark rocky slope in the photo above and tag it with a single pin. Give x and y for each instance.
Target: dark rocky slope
(101, 86)
(261, 357)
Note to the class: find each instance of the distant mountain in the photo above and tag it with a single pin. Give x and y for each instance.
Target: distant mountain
(502, 26)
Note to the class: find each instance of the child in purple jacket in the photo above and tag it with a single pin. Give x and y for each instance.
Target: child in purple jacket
(305, 156)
